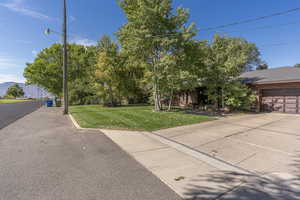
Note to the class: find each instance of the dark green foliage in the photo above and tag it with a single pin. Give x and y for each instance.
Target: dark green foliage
(46, 71)
(238, 96)
(226, 59)
(118, 78)
(15, 91)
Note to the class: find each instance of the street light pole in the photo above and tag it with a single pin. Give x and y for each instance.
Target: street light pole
(65, 60)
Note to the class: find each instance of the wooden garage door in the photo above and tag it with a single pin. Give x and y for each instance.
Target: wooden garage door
(281, 100)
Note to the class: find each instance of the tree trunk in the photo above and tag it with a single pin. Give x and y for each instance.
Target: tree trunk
(216, 100)
(171, 99)
(120, 98)
(156, 94)
(223, 103)
(111, 96)
(156, 97)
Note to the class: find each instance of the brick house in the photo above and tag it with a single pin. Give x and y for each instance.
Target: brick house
(277, 89)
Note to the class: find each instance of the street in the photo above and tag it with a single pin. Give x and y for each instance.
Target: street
(43, 157)
(10, 112)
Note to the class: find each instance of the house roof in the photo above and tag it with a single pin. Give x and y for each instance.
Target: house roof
(274, 75)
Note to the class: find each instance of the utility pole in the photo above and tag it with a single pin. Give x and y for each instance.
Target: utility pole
(65, 61)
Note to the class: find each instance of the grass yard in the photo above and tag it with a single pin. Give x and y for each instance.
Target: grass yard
(132, 118)
(12, 101)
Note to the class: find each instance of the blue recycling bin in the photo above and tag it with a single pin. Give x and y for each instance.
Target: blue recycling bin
(49, 103)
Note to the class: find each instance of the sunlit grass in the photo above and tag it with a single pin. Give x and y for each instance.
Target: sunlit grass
(132, 118)
(12, 100)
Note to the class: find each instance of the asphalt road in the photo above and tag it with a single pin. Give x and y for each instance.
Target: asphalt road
(10, 112)
(43, 157)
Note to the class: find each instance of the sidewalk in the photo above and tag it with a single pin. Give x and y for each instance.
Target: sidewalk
(195, 175)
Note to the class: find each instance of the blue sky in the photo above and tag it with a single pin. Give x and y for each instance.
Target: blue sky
(22, 23)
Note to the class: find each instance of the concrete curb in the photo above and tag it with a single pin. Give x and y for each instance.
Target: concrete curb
(75, 122)
(217, 163)
(77, 126)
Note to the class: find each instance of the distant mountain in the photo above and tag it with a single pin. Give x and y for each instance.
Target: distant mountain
(31, 91)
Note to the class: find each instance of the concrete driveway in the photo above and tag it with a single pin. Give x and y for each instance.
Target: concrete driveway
(261, 143)
(242, 157)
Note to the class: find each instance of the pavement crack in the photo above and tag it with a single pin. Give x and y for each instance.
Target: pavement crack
(252, 128)
(247, 158)
(154, 149)
(263, 147)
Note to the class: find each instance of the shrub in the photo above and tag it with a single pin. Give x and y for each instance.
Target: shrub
(239, 96)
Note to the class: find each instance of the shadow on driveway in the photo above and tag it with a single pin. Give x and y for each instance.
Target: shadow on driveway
(225, 185)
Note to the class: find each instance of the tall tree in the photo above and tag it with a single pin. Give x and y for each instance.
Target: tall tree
(82, 75)
(15, 91)
(118, 76)
(155, 35)
(183, 69)
(108, 69)
(226, 59)
(46, 71)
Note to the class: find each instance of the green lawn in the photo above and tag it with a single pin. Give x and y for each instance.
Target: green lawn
(132, 118)
(11, 101)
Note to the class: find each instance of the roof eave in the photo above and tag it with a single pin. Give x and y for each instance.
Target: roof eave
(274, 82)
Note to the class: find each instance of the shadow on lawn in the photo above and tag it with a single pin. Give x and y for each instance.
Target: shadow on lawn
(225, 185)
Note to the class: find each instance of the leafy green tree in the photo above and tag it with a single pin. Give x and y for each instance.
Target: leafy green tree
(194, 67)
(46, 71)
(108, 71)
(238, 96)
(155, 35)
(262, 66)
(15, 91)
(118, 77)
(226, 59)
(134, 87)
(183, 70)
(82, 75)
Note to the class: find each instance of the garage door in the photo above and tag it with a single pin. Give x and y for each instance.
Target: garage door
(281, 100)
